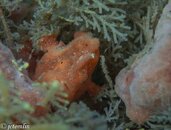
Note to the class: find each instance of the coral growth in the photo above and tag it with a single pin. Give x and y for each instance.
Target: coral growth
(145, 86)
(72, 65)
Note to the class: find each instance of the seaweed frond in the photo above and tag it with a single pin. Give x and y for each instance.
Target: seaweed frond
(101, 16)
(10, 105)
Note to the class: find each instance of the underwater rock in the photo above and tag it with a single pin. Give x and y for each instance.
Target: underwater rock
(72, 65)
(20, 81)
(145, 87)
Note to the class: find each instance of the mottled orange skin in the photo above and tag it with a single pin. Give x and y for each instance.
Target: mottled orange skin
(48, 42)
(72, 65)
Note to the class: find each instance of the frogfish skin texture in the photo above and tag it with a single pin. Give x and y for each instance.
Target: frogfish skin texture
(72, 65)
(145, 87)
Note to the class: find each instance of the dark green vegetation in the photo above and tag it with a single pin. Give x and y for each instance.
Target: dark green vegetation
(124, 27)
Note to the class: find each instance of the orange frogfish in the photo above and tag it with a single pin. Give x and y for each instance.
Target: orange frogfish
(145, 87)
(72, 65)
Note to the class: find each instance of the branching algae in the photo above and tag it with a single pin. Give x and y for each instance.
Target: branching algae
(125, 31)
